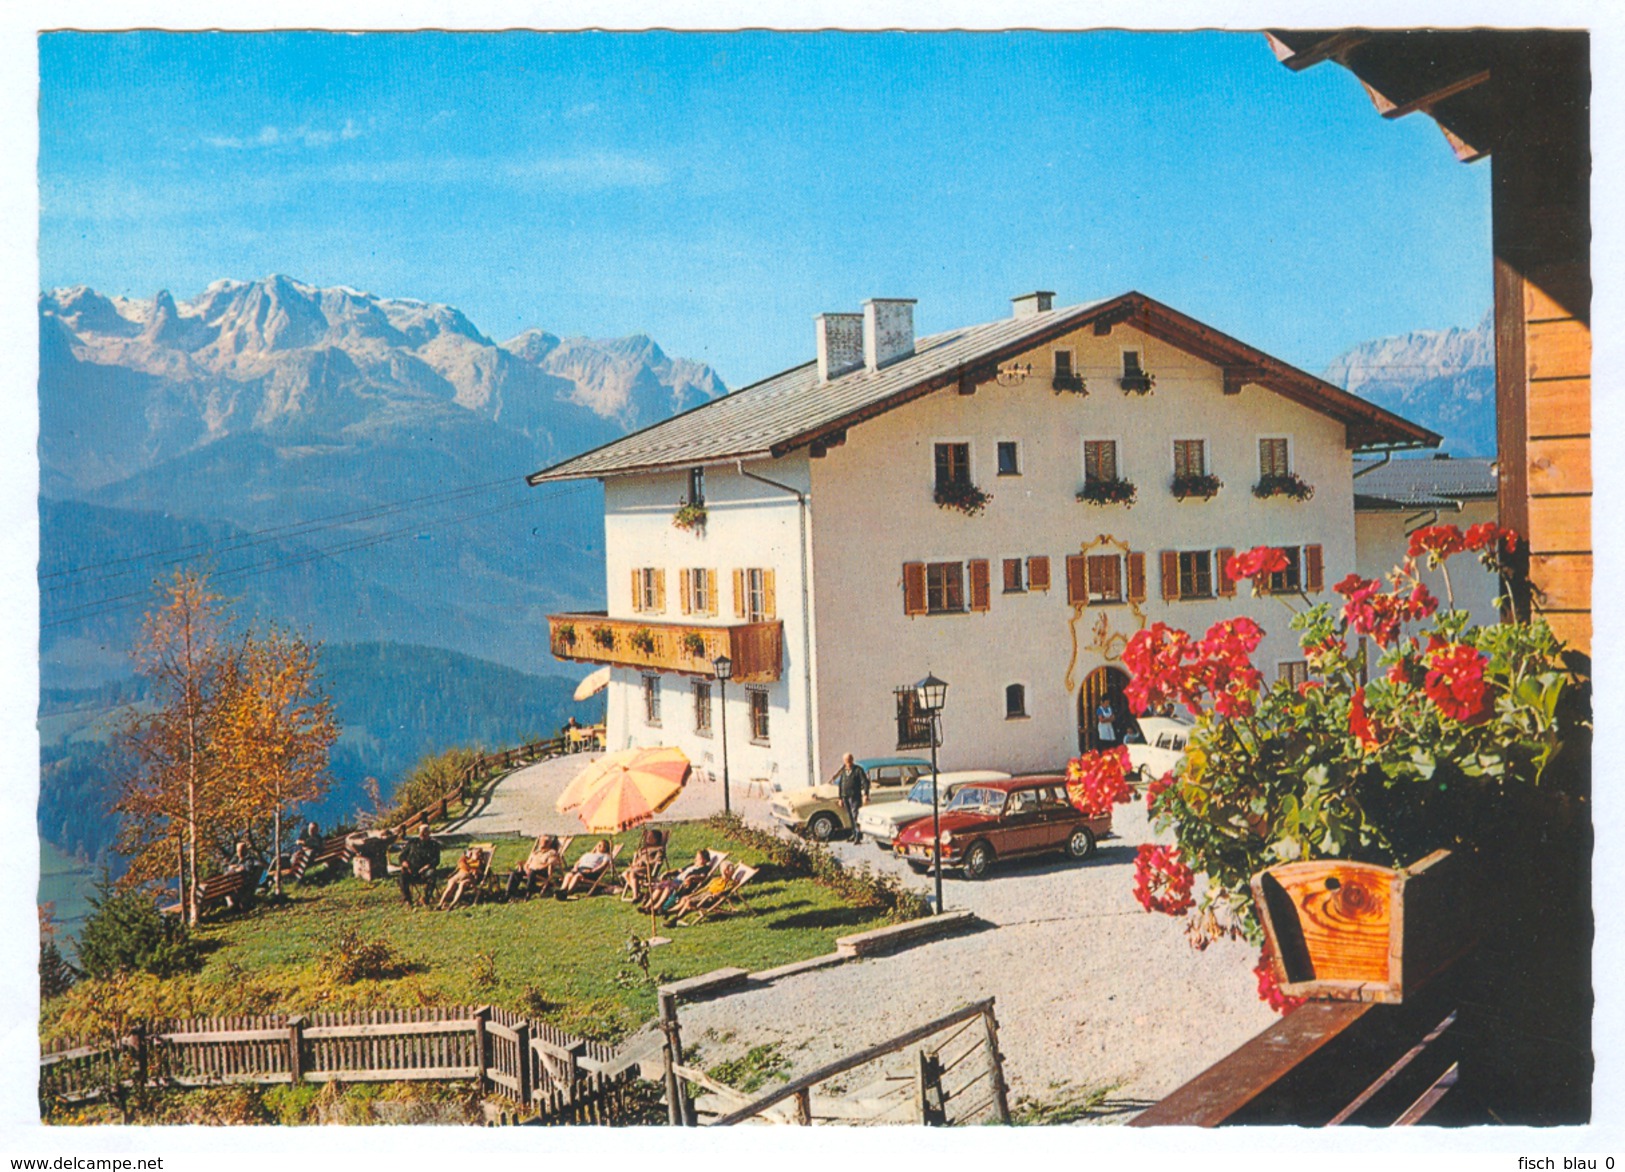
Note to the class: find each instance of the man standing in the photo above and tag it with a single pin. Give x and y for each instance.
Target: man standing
(853, 784)
(419, 858)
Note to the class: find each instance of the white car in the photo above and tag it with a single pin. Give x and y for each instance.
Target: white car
(882, 822)
(1162, 747)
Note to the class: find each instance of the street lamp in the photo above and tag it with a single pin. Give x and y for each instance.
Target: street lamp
(724, 668)
(931, 694)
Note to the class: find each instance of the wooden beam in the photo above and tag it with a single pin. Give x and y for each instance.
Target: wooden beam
(1426, 102)
(1334, 46)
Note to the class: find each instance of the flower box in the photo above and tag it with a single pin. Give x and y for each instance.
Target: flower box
(1345, 931)
(643, 640)
(962, 495)
(1201, 486)
(1137, 384)
(1288, 484)
(694, 644)
(1070, 382)
(604, 636)
(689, 517)
(1109, 492)
(566, 633)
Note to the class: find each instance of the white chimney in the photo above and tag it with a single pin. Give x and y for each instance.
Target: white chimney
(840, 344)
(888, 330)
(1029, 304)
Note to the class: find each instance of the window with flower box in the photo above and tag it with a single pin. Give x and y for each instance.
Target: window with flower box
(1190, 457)
(1274, 459)
(1099, 460)
(952, 465)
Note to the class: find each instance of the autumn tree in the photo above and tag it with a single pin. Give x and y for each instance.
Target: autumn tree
(237, 732)
(275, 731)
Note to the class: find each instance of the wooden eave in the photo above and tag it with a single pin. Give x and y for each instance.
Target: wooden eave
(1365, 423)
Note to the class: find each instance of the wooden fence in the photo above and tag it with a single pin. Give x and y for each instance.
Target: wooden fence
(481, 769)
(538, 1066)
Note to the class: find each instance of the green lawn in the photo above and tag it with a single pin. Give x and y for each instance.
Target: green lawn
(564, 962)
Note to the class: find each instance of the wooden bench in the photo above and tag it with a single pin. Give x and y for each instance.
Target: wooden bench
(1330, 1063)
(326, 852)
(234, 888)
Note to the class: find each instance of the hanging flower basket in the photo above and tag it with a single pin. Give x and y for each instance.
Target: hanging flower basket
(1137, 384)
(962, 495)
(642, 640)
(604, 637)
(1109, 492)
(1072, 383)
(1359, 932)
(689, 517)
(1287, 484)
(1201, 486)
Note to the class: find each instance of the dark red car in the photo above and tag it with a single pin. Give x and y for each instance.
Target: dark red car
(1004, 820)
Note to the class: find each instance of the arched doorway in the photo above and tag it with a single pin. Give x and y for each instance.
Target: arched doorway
(1104, 684)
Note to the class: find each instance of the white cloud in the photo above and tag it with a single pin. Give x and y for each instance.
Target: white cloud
(276, 136)
(599, 171)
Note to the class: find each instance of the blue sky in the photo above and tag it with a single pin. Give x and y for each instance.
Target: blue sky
(716, 191)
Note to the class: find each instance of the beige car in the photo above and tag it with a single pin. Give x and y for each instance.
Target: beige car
(881, 823)
(818, 811)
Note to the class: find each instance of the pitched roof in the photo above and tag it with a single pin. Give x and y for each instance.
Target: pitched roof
(793, 409)
(1435, 483)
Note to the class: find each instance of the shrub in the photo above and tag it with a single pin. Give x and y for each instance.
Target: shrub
(483, 972)
(795, 856)
(126, 933)
(350, 959)
(428, 781)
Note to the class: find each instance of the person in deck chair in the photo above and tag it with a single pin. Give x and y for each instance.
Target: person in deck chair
(666, 890)
(588, 867)
(540, 869)
(463, 879)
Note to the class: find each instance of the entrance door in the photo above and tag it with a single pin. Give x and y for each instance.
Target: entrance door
(1104, 685)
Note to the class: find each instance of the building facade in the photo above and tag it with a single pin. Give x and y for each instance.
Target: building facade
(899, 507)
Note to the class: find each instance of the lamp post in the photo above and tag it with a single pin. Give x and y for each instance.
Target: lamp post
(724, 668)
(931, 694)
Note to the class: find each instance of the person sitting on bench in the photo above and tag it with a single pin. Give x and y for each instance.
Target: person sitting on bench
(588, 868)
(420, 857)
(540, 869)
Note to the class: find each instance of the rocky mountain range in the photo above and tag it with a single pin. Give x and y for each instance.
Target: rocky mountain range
(348, 462)
(1442, 379)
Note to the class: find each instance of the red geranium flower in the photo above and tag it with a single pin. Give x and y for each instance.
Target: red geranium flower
(1096, 780)
(1437, 541)
(1162, 881)
(1269, 989)
(1455, 682)
(1360, 722)
(1157, 788)
(1262, 559)
(1160, 660)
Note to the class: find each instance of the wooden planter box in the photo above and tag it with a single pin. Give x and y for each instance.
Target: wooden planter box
(1359, 932)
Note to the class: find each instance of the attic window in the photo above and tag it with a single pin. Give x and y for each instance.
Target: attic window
(1131, 364)
(1009, 458)
(696, 486)
(952, 465)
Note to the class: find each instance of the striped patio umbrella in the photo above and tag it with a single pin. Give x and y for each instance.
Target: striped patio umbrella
(625, 789)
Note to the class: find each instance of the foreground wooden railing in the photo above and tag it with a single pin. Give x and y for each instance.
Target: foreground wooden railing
(1329, 1063)
(539, 1066)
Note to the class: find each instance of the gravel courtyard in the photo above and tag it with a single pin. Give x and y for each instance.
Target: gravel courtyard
(1090, 989)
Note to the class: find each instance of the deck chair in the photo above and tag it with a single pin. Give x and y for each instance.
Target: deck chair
(487, 851)
(717, 859)
(547, 887)
(648, 868)
(605, 879)
(725, 900)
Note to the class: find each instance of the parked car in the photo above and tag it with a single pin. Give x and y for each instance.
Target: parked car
(1004, 820)
(882, 821)
(818, 812)
(1159, 747)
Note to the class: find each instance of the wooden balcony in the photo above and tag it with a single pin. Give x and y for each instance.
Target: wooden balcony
(757, 649)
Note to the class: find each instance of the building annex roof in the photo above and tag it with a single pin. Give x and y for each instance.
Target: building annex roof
(1441, 482)
(794, 409)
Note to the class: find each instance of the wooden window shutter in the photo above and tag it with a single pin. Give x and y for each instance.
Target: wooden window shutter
(770, 602)
(1077, 580)
(1312, 570)
(1136, 577)
(711, 592)
(685, 588)
(979, 584)
(1038, 573)
(739, 594)
(1227, 584)
(1170, 574)
(637, 590)
(660, 592)
(913, 587)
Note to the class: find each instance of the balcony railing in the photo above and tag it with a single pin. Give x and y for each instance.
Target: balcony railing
(757, 649)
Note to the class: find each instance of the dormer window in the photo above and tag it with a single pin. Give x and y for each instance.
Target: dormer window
(696, 486)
